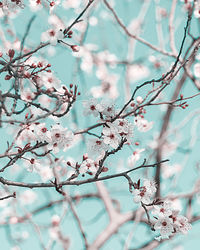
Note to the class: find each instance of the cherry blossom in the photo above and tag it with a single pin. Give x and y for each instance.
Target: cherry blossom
(27, 95)
(165, 225)
(135, 157)
(60, 138)
(90, 107)
(145, 193)
(88, 165)
(49, 80)
(163, 210)
(107, 108)
(42, 132)
(28, 197)
(97, 146)
(111, 136)
(182, 224)
(33, 165)
(52, 36)
(197, 70)
(142, 124)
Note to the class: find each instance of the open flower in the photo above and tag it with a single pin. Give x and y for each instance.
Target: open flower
(88, 165)
(145, 193)
(90, 107)
(165, 226)
(163, 210)
(52, 36)
(111, 136)
(42, 133)
(60, 138)
(182, 224)
(33, 165)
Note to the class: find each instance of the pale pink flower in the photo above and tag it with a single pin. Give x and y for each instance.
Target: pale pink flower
(46, 173)
(111, 136)
(42, 132)
(163, 210)
(33, 165)
(134, 157)
(106, 108)
(27, 95)
(143, 125)
(49, 80)
(88, 165)
(52, 36)
(139, 99)
(28, 197)
(90, 107)
(182, 224)
(145, 192)
(197, 70)
(170, 170)
(60, 138)
(141, 195)
(97, 146)
(165, 226)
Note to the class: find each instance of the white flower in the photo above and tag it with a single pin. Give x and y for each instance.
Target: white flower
(145, 192)
(122, 126)
(49, 80)
(182, 224)
(28, 197)
(143, 125)
(134, 157)
(163, 210)
(42, 133)
(33, 165)
(137, 72)
(90, 107)
(27, 95)
(111, 136)
(59, 138)
(46, 173)
(26, 135)
(170, 170)
(97, 146)
(52, 36)
(197, 70)
(165, 226)
(106, 108)
(150, 186)
(55, 220)
(88, 165)
(141, 195)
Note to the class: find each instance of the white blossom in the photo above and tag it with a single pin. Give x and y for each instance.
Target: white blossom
(165, 226)
(145, 193)
(90, 107)
(142, 124)
(28, 197)
(42, 133)
(52, 36)
(88, 165)
(60, 138)
(97, 146)
(163, 210)
(183, 226)
(33, 165)
(111, 136)
(134, 157)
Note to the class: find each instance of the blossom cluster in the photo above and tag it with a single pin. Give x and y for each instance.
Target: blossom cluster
(115, 128)
(168, 220)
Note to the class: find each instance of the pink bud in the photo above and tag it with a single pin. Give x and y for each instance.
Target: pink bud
(75, 48)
